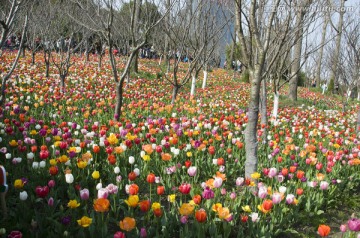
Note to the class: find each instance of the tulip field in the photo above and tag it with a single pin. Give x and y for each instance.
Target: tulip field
(168, 170)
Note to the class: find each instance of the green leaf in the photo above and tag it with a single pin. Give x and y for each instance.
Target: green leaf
(319, 212)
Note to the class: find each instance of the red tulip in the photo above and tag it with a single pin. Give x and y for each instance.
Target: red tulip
(160, 190)
(185, 188)
(42, 191)
(323, 230)
(151, 178)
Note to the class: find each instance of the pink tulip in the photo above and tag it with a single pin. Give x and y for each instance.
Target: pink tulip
(354, 224)
(239, 181)
(103, 193)
(218, 182)
(192, 171)
(272, 172)
(276, 198)
(290, 198)
(84, 194)
(324, 185)
(51, 201)
(262, 192)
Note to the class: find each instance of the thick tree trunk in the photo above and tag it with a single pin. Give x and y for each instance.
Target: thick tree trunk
(174, 94)
(251, 142)
(295, 69)
(193, 85)
(318, 69)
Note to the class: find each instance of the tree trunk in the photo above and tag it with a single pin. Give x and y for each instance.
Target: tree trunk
(47, 69)
(318, 69)
(99, 61)
(276, 104)
(334, 69)
(62, 81)
(205, 77)
(128, 79)
(119, 99)
(33, 53)
(174, 94)
(295, 69)
(251, 142)
(193, 84)
(136, 63)
(167, 40)
(263, 104)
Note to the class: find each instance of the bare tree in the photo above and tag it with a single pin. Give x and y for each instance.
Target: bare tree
(255, 54)
(100, 17)
(193, 34)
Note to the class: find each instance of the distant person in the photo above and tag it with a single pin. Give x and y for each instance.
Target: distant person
(239, 65)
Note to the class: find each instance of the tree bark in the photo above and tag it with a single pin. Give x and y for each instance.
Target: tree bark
(205, 77)
(193, 84)
(334, 70)
(263, 104)
(167, 40)
(318, 69)
(295, 69)
(62, 81)
(251, 142)
(174, 94)
(33, 53)
(99, 61)
(119, 99)
(276, 104)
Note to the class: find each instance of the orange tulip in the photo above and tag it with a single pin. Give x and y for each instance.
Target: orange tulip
(144, 205)
(197, 199)
(127, 224)
(151, 178)
(324, 230)
(267, 204)
(101, 205)
(148, 149)
(200, 215)
(158, 212)
(300, 174)
(160, 190)
(133, 189)
(165, 156)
